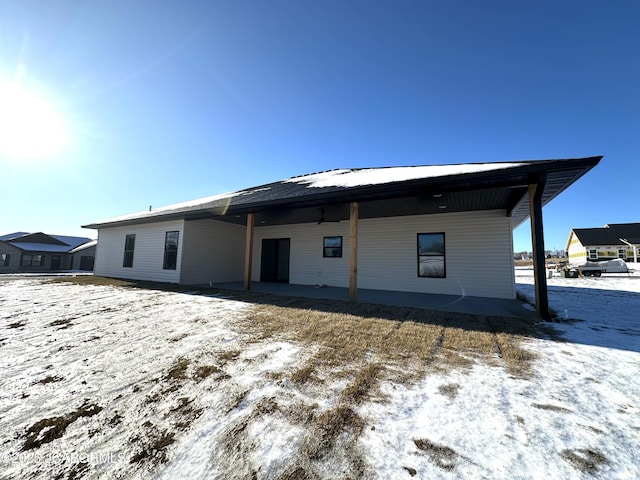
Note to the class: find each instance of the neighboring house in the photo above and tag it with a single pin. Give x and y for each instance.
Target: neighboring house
(83, 257)
(444, 229)
(614, 240)
(37, 252)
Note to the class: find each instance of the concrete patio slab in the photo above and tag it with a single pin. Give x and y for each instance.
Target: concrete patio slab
(431, 301)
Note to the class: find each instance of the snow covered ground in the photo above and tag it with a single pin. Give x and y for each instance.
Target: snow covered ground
(110, 382)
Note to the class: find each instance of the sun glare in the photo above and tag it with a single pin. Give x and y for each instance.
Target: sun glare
(30, 126)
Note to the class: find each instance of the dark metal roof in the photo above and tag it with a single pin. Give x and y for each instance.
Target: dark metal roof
(298, 201)
(609, 235)
(42, 242)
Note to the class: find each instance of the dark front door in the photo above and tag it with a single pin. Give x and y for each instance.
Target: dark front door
(274, 264)
(55, 262)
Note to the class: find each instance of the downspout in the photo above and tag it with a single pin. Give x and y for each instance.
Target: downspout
(537, 240)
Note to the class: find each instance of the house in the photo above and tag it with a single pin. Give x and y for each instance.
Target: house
(83, 256)
(614, 240)
(38, 252)
(443, 229)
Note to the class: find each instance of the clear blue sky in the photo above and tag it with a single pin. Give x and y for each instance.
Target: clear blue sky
(170, 101)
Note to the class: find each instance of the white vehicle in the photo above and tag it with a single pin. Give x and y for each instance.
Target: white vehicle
(596, 269)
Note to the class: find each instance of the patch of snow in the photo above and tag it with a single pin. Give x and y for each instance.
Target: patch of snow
(175, 207)
(64, 344)
(377, 176)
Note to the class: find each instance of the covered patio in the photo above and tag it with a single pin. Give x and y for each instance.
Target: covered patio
(446, 303)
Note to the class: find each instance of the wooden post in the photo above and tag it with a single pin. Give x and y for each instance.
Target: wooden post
(353, 252)
(248, 252)
(537, 241)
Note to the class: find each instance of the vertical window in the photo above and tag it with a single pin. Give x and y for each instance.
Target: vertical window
(593, 255)
(332, 247)
(171, 250)
(431, 255)
(4, 259)
(129, 246)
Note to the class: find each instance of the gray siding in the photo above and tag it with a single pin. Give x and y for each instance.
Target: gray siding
(479, 254)
(14, 258)
(77, 257)
(212, 251)
(148, 257)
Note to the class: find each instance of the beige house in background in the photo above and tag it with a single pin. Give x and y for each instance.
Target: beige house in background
(614, 240)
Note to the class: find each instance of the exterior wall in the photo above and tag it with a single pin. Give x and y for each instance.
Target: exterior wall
(307, 265)
(577, 252)
(479, 254)
(14, 258)
(148, 256)
(77, 257)
(212, 251)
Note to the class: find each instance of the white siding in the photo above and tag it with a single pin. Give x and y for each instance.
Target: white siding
(478, 246)
(479, 254)
(148, 256)
(212, 251)
(307, 265)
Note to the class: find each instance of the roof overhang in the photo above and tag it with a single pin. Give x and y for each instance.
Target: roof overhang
(287, 203)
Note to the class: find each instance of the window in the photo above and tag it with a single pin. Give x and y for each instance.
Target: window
(431, 255)
(4, 259)
(332, 247)
(129, 246)
(593, 255)
(171, 250)
(622, 253)
(32, 261)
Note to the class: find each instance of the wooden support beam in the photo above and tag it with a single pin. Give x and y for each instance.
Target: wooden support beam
(353, 252)
(248, 252)
(537, 241)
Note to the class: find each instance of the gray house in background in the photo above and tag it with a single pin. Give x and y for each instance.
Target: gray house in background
(40, 252)
(83, 257)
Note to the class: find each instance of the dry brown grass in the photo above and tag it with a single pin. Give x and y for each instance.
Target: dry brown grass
(355, 345)
(49, 429)
(345, 334)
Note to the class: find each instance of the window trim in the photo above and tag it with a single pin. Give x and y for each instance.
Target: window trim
(129, 249)
(170, 255)
(326, 248)
(440, 235)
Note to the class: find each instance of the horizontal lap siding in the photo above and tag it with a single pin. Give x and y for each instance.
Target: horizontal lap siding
(479, 254)
(307, 265)
(14, 258)
(212, 251)
(148, 256)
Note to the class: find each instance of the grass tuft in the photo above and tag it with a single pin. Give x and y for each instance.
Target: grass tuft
(585, 460)
(444, 457)
(49, 429)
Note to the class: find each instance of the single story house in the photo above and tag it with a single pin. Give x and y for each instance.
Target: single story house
(83, 256)
(614, 240)
(38, 252)
(443, 229)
